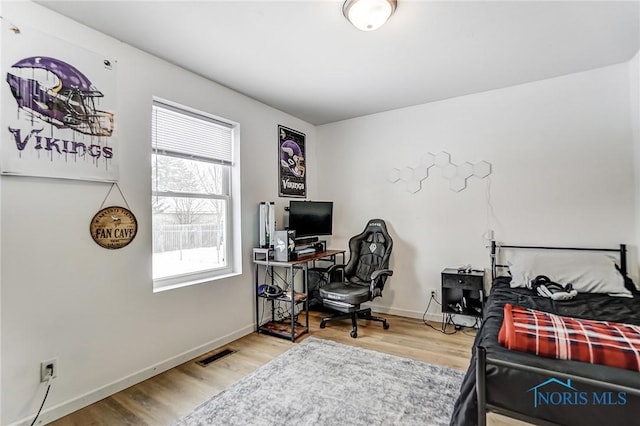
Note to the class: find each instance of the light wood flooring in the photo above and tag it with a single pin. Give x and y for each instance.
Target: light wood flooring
(176, 392)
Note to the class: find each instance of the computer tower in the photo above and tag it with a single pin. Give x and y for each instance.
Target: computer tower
(284, 242)
(267, 223)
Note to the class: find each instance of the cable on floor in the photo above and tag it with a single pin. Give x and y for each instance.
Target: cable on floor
(443, 329)
(449, 320)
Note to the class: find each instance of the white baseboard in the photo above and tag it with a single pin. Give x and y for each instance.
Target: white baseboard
(462, 320)
(68, 407)
(431, 316)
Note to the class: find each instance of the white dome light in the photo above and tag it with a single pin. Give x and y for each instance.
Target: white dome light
(368, 15)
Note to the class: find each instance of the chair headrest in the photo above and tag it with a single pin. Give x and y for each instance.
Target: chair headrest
(376, 225)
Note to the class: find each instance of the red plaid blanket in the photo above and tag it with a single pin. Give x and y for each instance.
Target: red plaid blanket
(554, 336)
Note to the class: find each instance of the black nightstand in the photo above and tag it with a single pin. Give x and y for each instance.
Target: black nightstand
(462, 292)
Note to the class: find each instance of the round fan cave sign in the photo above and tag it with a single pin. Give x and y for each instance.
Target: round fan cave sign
(113, 227)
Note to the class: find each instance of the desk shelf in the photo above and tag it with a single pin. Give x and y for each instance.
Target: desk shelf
(285, 324)
(283, 329)
(298, 297)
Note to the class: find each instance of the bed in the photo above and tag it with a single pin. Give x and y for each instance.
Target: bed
(575, 393)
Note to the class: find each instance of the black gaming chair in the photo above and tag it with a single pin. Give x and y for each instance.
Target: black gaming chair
(363, 277)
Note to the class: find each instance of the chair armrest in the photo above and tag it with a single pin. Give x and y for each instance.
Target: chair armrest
(377, 284)
(376, 274)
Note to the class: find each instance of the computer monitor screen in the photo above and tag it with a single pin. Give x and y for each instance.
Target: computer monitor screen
(311, 218)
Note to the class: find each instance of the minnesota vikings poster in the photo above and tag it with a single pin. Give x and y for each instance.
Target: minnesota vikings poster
(292, 176)
(58, 103)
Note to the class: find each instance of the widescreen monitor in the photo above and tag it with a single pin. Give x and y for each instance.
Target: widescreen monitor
(311, 218)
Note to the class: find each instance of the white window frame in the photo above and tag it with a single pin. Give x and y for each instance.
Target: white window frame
(232, 222)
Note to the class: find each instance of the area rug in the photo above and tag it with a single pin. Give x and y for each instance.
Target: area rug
(321, 382)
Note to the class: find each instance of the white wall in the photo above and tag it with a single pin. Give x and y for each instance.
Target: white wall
(94, 309)
(1, 375)
(561, 151)
(634, 91)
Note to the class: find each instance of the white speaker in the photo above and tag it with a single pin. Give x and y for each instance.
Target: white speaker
(267, 223)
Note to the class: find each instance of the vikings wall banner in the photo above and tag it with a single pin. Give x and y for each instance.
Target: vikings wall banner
(292, 176)
(58, 103)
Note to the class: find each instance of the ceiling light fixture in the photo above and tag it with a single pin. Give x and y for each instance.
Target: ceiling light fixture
(368, 15)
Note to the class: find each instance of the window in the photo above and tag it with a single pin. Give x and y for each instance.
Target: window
(192, 181)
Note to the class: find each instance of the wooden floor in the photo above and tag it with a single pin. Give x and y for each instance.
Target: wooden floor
(176, 392)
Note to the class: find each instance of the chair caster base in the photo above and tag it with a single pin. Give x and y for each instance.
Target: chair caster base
(364, 314)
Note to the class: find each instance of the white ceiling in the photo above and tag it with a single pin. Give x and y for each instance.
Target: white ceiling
(304, 58)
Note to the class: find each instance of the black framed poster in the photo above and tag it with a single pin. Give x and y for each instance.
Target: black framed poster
(291, 151)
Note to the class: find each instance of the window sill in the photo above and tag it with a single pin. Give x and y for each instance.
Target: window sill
(160, 288)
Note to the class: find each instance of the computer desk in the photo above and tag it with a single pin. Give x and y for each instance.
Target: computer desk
(287, 327)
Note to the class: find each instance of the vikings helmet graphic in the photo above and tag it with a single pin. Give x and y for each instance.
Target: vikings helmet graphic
(291, 158)
(60, 94)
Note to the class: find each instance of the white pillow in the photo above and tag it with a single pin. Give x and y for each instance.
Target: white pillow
(588, 272)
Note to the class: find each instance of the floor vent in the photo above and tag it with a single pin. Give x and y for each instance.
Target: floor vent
(211, 358)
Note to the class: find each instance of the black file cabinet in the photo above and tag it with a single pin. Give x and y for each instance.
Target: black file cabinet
(462, 292)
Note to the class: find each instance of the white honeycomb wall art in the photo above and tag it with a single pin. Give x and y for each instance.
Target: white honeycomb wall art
(456, 174)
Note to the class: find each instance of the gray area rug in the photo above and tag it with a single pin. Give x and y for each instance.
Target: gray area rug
(321, 382)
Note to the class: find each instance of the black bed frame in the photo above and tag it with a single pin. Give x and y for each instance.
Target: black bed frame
(482, 360)
(622, 252)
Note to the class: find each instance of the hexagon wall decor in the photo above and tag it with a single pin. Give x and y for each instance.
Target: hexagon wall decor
(457, 175)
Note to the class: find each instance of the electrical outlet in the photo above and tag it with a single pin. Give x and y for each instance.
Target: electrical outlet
(434, 294)
(48, 368)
